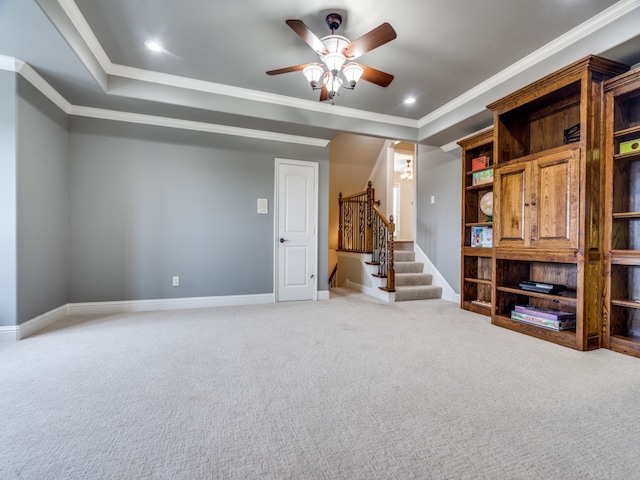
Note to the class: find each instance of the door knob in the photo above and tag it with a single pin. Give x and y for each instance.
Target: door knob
(282, 240)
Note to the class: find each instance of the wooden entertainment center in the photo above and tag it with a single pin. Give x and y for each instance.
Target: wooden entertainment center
(563, 233)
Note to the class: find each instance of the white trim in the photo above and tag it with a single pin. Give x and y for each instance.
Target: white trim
(150, 76)
(14, 333)
(86, 33)
(323, 295)
(9, 334)
(168, 304)
(29, 74)
(84, 30)
(447, 292)
(604, 18)
(192, 125)
(374, 292)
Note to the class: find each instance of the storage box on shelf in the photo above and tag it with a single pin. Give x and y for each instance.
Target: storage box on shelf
(622, 219)
(476, 290)
(547, 218)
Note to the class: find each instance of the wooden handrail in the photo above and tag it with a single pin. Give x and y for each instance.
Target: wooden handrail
(363, 228)
(388, 223)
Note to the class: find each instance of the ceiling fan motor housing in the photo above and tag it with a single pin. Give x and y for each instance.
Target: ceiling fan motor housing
(334, 20)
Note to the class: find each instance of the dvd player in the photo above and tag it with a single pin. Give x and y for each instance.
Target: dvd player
(542, 287)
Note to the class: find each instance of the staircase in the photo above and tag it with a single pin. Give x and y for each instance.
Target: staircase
(411, 283)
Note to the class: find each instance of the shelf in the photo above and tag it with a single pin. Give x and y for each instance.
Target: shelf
(468, 251)
(625, 257)
(626, 345)
(482, 281)
(626, 303)
(563, 337)
(568, 296)
(627, 156)
(479, 224)
(627, 131)
(471, 172)
(626, 215)
(482, 186)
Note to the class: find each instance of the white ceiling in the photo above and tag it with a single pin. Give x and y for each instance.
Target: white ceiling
(454, 56)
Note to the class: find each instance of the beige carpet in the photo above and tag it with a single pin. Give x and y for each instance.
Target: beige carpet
(342, 389)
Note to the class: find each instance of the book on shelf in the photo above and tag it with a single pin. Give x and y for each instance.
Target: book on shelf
(483, 177)
(547, 313)
(556, 325)
(481, 237)
(479, 163)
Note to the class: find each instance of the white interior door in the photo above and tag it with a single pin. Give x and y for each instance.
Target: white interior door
(296, 227)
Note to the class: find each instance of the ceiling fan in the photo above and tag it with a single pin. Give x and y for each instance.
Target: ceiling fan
(336, 53)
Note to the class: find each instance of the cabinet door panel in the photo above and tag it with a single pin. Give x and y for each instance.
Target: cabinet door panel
(512, 225)
(554, 201)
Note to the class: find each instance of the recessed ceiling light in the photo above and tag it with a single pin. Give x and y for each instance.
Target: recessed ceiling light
(153, 46)
(409, 100)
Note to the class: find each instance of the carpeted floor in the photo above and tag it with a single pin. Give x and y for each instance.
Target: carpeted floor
(348, 388)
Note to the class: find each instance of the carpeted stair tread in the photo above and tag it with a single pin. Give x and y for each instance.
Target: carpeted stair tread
(409, 279)
(417, 292)
(408, 267)
(404, 256)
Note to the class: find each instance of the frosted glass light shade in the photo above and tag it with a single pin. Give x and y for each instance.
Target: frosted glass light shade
(353, 72)
(313, 73)
(334, 62)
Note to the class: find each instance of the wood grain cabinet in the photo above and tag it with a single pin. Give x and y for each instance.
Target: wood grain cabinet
(548, 218)
(621, 326)
(537, 201)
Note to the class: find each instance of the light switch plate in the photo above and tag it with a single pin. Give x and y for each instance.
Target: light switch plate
(263, 205)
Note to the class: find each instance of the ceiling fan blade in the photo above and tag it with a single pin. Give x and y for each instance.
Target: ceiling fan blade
(324, 94)
(378, 36)
(279, 71)
(307, 35)
(376, 76)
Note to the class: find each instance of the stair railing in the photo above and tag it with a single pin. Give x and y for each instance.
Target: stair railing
(362, 228)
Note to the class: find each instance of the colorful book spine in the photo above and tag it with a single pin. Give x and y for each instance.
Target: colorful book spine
(545, 312)
(544, 322)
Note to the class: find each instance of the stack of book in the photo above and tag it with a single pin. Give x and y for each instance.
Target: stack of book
(544, 317)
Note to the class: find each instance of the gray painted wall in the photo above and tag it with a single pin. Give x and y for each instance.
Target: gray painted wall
(148, 203)
(42, 204)
(8, 295)
(438, 225)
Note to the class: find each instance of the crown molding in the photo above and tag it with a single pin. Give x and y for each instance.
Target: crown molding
(28, 73)
(158, 121)
(603, 19)
(91, 42)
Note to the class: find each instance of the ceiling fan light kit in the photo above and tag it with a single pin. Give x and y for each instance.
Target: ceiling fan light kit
(336, 69)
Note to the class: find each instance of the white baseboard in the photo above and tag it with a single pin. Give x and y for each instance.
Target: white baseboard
(447, 292)
(375, 292)
(169, 304)
(10, 334)
(13, 333)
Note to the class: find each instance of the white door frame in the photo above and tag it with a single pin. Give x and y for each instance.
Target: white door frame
(276, 256)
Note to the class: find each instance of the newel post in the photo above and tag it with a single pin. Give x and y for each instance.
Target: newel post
(368, 240)
(391, 272)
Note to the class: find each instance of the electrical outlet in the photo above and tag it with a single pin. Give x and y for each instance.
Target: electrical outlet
(176, 281)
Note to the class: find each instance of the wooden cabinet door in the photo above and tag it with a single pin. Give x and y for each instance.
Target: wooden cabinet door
(554, 200)
(511, 224)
